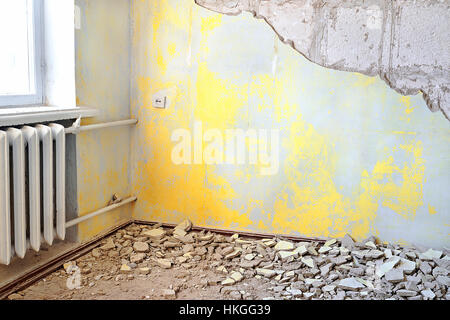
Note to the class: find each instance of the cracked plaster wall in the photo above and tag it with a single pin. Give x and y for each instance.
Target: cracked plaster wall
(406, 43)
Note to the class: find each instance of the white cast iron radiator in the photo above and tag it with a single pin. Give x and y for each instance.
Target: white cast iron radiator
(32, 188)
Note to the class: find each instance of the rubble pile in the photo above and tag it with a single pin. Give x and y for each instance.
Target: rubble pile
(275, 268)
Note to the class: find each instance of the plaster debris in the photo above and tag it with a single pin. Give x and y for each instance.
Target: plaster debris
(236, 276)
(154, 233)
(350, 284)
(169, 293)
(394, 276)
(301, 250)
(125, 268)
(284, 246)
(432, 254)
(249, 256)
(234, 267)
(428, 294)
(228, 282)
(186, 225)
(284, 255)
(309, 262)
(108, 245)
(164, 263)
(387, 266)
(383, 38)
(324, 249)
(265, 272)
(406, 293)
(140, 246)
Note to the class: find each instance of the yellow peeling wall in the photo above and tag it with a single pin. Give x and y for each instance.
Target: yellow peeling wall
(355, 156)
(102, 82)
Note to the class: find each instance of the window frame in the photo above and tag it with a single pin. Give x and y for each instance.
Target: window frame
(35, 61)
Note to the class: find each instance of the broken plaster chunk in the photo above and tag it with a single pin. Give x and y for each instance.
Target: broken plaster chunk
(268, 242)
(206, 237)
(296, 293)
(15, 296)
(144, 270)
(387, 266)
(308, 261)
(236, 276)
(348, 242)
(324, 249)
(406, 293)
(312, 251)
(427, 293)
(350, 284)
(222, 269)
(328, 288)
(186, 225)
(330, 242)
(164, 263)
(169, 293)
(109, 245)
(394, 276)
(387, 253)
(249, 257)
(301, 250)
(407, 266)
(154, 234)
(125, 268)
(140, 246)
(179, 233)
(371, 245)
(374, 254)
(432, 254)
(284, 255)
(265, 272)
(284, 246)
(228, 282)
(96, 253)
(137, 258)
(233, 254)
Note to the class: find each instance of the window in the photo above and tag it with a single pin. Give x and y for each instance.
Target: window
(21, 33)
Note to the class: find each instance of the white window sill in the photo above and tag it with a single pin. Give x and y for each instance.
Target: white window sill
(21, 115)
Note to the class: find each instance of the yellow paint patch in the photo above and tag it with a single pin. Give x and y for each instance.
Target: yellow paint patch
(431, 210)
(305, 197)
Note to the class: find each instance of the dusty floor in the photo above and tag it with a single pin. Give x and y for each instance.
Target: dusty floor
(149, 262)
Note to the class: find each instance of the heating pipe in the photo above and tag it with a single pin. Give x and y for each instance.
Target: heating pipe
(76, 128)
(96, 213)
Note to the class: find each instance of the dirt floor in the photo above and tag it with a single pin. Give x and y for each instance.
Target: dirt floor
(148, 262)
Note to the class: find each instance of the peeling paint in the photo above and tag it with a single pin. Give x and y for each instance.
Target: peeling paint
(347, 165)
(406, 43)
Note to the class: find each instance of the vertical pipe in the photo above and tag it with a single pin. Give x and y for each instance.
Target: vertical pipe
(5, 223)
(16, 141)
(45, 135)
(60, 139)
(31, 136)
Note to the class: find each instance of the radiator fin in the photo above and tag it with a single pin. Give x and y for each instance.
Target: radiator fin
(32, 188)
